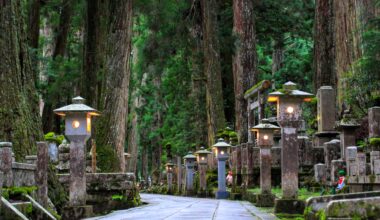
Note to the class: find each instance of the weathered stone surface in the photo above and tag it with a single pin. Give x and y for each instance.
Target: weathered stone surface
(366, 208)
(77, 212)
(276, 157)
(331, 151)
(104, 181)
(376, 167)
(1, 185)
(41, 173)
(289, 161)
(64, 156)
(64, 148)
(6, 162)
(351, 154)
(318, 154)
(289, 206)
(265, 200)
(374, 122)
(320, 173)
(265, 169)
(31, 159)
(362, 165)
(374, 155)
(23, 174)
(77, 195)
(244, 159)
(326, 108)
(305, 151)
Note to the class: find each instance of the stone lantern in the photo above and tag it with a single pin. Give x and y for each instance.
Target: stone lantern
(189, 160)
(221, 153)
(202, 156)
(77, 131)
(289, 113)
(264, 138)
(169, 176)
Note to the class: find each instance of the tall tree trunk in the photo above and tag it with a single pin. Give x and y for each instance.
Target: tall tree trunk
(94, 57)
(277, 56)
(133, 135)
(19, 119)
(244, 62)
(111, 127)
(34, 32)
(156, 141)
(324, 72)
(51, 121)
(212, 70)
(198, 91)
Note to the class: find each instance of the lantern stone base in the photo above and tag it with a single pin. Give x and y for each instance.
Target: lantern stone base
(77, 212)
(289, 206)
(265, 200)
(221, 195)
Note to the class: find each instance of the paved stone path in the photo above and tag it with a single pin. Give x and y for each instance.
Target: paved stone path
(176, 207)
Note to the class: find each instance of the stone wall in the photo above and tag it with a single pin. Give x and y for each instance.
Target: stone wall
(23, 174)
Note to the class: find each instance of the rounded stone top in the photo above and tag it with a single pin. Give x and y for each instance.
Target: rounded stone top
(78, 100)
(202, 150)
(6, 144)
(265, 125)
(76, 107)
(289, 85)
(221, 143)
(189, 156)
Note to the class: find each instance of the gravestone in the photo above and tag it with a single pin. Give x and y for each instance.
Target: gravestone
(331, 151)
(376, 167)
(326, 115)
(336, 165)
(361, 163)
(320, 173)
(347, 126)
(352, 153)
(374, 155)
(374, 122)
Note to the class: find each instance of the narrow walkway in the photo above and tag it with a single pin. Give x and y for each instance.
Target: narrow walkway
(176, 207)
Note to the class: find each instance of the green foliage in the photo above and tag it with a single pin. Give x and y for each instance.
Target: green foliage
(52, 137)
(18, 191)
(364, 78)
(117, 197)
(375, 142)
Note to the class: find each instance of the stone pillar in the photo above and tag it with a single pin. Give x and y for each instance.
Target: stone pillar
(347, 138)
(336, 165)
(77, 195)
(169, 176)
(331, 151)
(222, 192)
(374, 122)
(265, 170)
(326, 109)
(1, 186)
(289, 160)
(41, 173)
(6, 163)
(179, 173)
(361, 163)
(64, 158)
(202, 179)
(250, 164)
(376, 167)
(244, 164)
(352, 167)
(93, 156)
(320, 173)
(189, 180)
(238, 179)
(374, 155)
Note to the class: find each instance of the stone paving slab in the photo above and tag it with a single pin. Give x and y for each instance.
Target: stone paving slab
(167, 207)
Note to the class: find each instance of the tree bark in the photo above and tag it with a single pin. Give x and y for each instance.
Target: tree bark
(111, 127)
(51, 121)
(244, 62)
(34, 32)
(277, 56)
(324, 72)
(212, 70)
(94, 46)
(19, 119)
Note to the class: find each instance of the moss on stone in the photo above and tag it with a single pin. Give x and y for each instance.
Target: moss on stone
(254, 87)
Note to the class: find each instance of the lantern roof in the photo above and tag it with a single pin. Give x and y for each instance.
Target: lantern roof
(77, 106)
(289, 89)
(265, 125)
(189, 156)
(169, 164)
(221, 143)
(203, 151)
